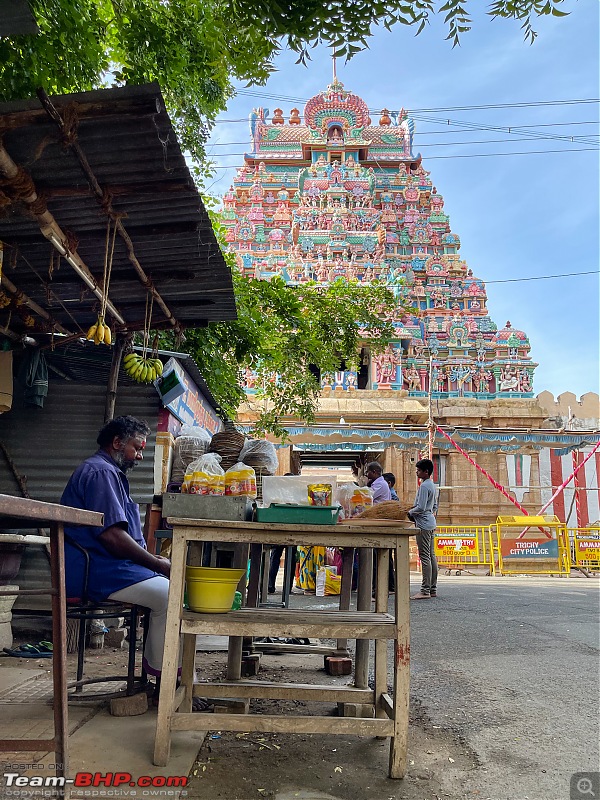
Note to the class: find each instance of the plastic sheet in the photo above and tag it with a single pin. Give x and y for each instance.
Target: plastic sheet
(191, 443)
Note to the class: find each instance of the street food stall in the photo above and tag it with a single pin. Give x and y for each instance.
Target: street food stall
(389, 710)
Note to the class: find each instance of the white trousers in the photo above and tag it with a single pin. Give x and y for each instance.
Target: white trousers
(153, 594)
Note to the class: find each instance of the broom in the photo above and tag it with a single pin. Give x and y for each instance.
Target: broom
(391, 509)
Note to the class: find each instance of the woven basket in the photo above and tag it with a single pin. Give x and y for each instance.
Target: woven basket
(228, 444)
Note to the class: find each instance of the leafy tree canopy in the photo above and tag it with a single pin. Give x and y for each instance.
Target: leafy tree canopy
(281, 331)
(194, 48)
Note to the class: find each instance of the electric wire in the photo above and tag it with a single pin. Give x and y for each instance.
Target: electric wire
(545, 277)
(432, 158)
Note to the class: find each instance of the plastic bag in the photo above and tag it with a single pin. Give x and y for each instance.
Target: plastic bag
(205, 476)
(191, 443)
(353, 499)
(328, 582)
(362, 498)
(259, 453)
(240, 480)
(333, 558)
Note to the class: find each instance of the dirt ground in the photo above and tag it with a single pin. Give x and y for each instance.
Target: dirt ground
(240, 766)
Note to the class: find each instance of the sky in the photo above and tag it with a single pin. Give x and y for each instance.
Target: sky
(518, 216)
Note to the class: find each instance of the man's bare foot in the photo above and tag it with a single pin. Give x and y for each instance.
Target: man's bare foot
(421, 596)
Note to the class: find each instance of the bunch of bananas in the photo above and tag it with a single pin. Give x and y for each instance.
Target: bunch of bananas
(99, 333)
(141, 369)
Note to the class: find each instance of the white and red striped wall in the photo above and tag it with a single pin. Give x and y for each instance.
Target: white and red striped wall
(554, 470)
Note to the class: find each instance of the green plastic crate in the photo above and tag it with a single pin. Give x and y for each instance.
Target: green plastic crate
(297, 514)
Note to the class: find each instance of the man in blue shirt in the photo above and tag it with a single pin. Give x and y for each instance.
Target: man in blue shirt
(423, 515)
(120, 566)
(390, 479)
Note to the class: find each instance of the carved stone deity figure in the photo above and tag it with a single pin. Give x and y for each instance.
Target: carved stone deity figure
(437, 380)
(509, 380)
(413, 379)
(249, 378)
(351, 380)
(525, 381)
(482, 380)
(386, 365)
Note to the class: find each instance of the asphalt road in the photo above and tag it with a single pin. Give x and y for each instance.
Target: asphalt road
(510, 666)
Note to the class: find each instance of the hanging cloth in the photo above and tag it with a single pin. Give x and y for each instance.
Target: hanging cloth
(33, 376)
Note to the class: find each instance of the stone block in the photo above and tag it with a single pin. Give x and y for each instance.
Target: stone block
(335, 665)
(131, 706)
(115, 637)
(232, 705)
(364, 710)
(250, 665)
(6, 636)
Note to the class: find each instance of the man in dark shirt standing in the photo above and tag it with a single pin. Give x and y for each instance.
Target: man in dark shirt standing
(120, 566)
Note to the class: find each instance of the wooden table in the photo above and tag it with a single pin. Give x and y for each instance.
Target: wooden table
(18, 512)
(391, 712)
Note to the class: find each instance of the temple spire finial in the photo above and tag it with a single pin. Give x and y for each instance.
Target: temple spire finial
(333, 59)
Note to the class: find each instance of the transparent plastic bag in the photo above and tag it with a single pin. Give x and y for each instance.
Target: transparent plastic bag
(259, 453)
(240, 480)
(343, 495)
(205, 476)
(362, 498)
(191, 443)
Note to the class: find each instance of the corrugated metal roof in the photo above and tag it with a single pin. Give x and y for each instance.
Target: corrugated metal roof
(16, 18)
(83, 362)
(131, 146)
(47, 444)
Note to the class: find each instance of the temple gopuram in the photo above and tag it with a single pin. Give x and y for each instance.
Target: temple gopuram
(332, 196)
(329, 196)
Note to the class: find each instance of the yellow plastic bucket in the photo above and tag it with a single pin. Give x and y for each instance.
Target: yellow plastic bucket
(211, 590)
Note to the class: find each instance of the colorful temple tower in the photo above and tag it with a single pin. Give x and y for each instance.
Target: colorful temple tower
(332, 196)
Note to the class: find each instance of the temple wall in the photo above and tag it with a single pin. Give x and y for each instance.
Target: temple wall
(568, 411)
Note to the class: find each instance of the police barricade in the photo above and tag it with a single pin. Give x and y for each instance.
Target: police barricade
(459, 547)
(532, 545)
(584, 547)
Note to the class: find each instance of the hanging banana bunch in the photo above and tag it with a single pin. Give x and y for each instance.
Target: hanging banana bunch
(145, 367)
(100, 332)
(141, 369)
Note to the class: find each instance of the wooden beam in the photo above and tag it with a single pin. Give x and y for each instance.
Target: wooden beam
(101, 197)
(41, 312)
(50, 228)
(266, 690)
(19, 507)
(269, 724)
(113, 376)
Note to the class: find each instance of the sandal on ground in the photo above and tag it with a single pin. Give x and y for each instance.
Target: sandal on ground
(199, 704)
(39, 650)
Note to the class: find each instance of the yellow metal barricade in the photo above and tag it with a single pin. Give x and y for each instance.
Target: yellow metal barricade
(462, 546)
(584, 547)
(532, 545)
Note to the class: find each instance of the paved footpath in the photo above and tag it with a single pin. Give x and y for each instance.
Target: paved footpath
(510, 665)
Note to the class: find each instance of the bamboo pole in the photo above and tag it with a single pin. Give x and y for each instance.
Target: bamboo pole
(51, 230)
(41, 312)
(101, 196)
(113, 376)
